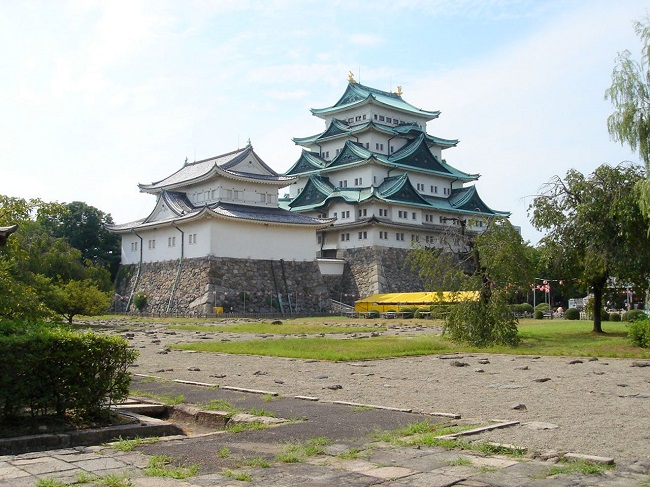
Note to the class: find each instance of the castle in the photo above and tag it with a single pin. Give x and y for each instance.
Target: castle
(362, 192)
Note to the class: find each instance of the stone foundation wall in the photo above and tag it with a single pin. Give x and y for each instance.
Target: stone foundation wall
(375, 270)
(237, 285)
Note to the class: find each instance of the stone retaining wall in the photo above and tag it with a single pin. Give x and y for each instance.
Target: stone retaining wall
(372, 270)
(237, 285)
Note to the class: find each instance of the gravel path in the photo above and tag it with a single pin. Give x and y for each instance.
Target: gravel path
(592, 406)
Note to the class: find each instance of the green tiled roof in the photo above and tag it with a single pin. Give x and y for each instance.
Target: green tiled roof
(400, 190)
(340, 128)
(308, 161)
(414, 155)
(356, 94)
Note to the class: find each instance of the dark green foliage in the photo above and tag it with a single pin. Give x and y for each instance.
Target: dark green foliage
(83, 227)
(496, 264)
(572, 314)
(568, 209)
(539, 315)
(140, 301)
(604, 315)
(497, 327)
(614, 317)
(53, 370)
(439, 311)
(634, 315)
(639, 333)
(409, 309)
(77, 298)
(542, 307)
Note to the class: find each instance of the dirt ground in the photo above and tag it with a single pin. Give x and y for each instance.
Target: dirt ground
(590, 406)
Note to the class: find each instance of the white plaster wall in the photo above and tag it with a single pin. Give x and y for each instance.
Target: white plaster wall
(258, 241)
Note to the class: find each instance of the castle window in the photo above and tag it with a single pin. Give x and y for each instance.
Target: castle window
(381, 118)
(414, 216)
(420, 186)
(435, 189)
(399, 236)
(364, 117)
(383, 235)
(192, 238)
(262, 198)
(358, 181)
(229, 194)
(239, 195)
(415, 238)
(363, 235)
(363, 212)
(389, 120)
(350, 120)
(152, 244)
(345, 237)
(357, 118)
(134, 246)
(171, 242)
(367, 145)
(375, 116)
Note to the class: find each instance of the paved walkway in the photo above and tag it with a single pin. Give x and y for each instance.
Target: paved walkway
(352, 457)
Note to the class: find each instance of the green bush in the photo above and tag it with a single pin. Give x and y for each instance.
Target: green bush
(614, 317)
(634, 314)
(140, 301)
(539, 315)
(604, 315)
(439, 311)
(49, 370)
(572, 314)
(542, 307)
(639, 333)
(522, 308)
(409, 309)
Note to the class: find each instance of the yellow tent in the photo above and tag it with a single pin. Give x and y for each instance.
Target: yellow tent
(396, 301)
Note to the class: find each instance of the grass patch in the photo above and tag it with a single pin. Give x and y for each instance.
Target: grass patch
(283, 329)
(460, 462)
(241, 476)
(51, 482)
(240, 427)
(166, 400)
(328, 348)
(580, 466)
(261, 412)
(351, 454)
(219, 405)
(161, 466)
(113, 480)
(256, 462)
(127, 445)
(298, 452)
(557, 337)
(224, 452)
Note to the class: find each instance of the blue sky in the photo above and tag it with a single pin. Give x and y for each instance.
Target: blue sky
(99, 96)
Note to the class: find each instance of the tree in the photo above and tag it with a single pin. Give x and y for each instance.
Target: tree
(595, 229)
(496, 264)
(34, 262)
(630, 95)
(84, 227)
(77, 298)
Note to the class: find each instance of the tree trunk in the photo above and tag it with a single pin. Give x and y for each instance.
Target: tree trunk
(599, 287)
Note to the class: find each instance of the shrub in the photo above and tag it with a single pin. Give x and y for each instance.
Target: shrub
(140, 301)
(439, 311)
(539, 315)
(614, 317)
(604, 315)
(482, 323)
(522, 308)
(572, 314)
(542, 307)
(634, 314)
(409, 309)
(47, 370)
(639, 333)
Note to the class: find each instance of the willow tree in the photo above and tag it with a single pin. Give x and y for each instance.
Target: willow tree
(630, 95)
(595, 229)
(495, 264)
